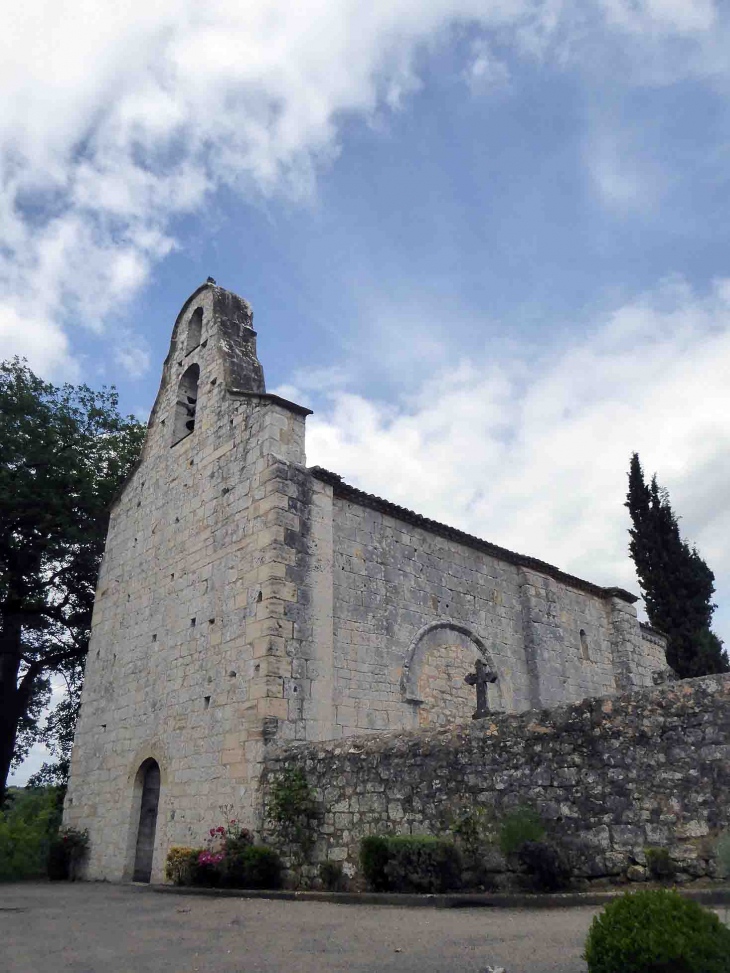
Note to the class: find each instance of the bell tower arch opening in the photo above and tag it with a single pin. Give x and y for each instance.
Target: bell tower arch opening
(186, 405)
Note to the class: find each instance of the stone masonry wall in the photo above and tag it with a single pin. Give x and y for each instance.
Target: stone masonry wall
(244, 601)
(649, 768)
(447, 697)
(188, 658)
(406, 598)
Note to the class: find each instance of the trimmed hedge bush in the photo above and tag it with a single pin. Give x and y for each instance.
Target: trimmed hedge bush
(410, 863)
(546, 864)
(253, 867)
(657, 931)
(373, 859)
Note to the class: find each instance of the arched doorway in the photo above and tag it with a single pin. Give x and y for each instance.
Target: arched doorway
(150, 774)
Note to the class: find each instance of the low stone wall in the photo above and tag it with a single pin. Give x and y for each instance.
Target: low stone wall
(610, 776)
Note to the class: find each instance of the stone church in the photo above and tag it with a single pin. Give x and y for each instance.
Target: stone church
(246, 599)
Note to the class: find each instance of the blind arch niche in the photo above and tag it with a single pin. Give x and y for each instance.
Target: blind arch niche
(195, 330)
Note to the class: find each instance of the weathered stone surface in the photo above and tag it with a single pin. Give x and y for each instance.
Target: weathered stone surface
(245, 601)
(606, 798)
(191, 645)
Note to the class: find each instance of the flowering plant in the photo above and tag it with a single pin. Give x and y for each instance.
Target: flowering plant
(66, 853)
(230, 859)
(224, 841)
(75, 842)
(180, 863)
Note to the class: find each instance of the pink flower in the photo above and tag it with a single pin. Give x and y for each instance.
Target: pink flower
(212, 832)
(221, 830)
(233, 822)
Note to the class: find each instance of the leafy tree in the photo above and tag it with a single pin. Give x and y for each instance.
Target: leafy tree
(57, 733)
(64, 454)
(29, 821)
(677, 584)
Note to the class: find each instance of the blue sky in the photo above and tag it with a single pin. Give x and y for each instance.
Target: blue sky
(487, 242)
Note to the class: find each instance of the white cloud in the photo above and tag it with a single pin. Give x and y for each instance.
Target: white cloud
(485, 71)
(132, 352)
(117, 118)
(669, 16)
(624, 177)
(306, 383)
(536, 461)
(39, 339)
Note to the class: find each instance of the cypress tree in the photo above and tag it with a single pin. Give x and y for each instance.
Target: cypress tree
(676, 583)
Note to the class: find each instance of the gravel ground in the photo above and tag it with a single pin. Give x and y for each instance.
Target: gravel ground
(100, 928)
(90, 928)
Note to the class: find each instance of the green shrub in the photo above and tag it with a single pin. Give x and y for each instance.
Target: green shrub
(546, 863)
(522, 825)
(253, 867)
(657, 931)
(180, 863)
(420, 863)
(205, 875)
(57, 864)
(333, 877)
(660, 865)
(472, 827)
(28, 824)
(373, 859)
(722, 851)
(66, 853)
(410, 863)
(290, 809)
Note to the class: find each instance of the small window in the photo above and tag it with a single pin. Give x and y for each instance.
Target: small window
(584, 645)
(187, 401)
(195, 329)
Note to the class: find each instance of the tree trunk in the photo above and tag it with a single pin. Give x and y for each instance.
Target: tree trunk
(10, 695)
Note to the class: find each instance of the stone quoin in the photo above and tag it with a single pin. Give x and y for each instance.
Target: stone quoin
(246, 601)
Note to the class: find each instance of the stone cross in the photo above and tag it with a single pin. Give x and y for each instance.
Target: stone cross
(480, 679)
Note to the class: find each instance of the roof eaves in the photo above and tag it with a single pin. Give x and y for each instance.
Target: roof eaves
(348, 492)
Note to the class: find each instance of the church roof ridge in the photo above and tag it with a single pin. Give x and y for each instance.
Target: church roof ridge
(349, 492)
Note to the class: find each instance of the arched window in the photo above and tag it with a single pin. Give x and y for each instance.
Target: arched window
(187, 400)
(584, 645)
(195, 329)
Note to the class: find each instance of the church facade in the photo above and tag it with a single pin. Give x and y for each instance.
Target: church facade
(245, 600)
